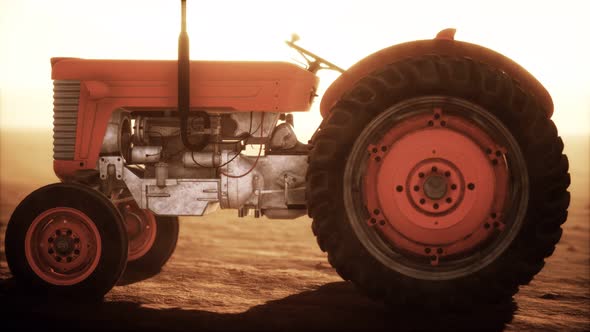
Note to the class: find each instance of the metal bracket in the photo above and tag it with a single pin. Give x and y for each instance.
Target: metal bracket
(105, 162)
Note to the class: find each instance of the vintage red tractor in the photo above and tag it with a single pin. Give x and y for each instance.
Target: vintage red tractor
(435, 176)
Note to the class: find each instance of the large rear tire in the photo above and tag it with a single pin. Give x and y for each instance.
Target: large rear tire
(438, 181)
(66, 240)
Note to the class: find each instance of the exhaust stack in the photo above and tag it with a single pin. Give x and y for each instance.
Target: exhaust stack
(184, 88)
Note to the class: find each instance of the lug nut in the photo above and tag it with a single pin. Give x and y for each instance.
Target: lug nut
(453, 186)
(50, 240)
(416, 188)
(471, 186)
(77, 252)
(399, 188)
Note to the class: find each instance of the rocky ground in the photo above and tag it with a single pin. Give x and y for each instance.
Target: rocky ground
(257, 274)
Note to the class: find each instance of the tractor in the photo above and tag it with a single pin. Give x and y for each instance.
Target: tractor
(436, 175)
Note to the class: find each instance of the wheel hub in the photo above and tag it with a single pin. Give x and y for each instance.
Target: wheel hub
(141, 229)
(435, 187)
(63, 246)
(432, 185)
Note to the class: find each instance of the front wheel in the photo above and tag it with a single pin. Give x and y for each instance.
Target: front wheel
(66, 240)
(438, 180)
(152, 238)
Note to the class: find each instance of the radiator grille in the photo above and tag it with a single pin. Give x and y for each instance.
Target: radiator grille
(66, 96)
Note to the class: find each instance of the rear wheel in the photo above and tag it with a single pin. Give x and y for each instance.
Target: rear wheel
(439, 180)
(66, 239)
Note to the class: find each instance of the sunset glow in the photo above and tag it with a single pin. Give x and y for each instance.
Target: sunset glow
(546, 37)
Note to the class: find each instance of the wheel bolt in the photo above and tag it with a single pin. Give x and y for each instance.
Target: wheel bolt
(439, 251)
(375, 150)
(434, 169)
(421, 174)
(427, 250)
(437, 116)
(498, 153)
(58, 232)
(486, 225)
(69, 232)
(376, 211)
(76, 240)
(382, 222)
(449, 200)
(399, 188)
(435, 206)
(447, 174)
(69, 259)
(416, 188)
(77, 252)
(383, 148)
(422, 201)
(50, 240)
(57, 258)
(453, 186)
(471, 186)
(493, 215)
(373, 221)
(50, 251)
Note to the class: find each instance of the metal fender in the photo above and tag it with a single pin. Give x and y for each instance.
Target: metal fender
(444, 45)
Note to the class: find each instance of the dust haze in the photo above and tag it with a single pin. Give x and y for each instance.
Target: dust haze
(243, 273)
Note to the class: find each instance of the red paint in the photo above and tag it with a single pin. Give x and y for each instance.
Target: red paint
(44, 236)
(414, 152)
(141, 229)
(107, 85)
(443, 47)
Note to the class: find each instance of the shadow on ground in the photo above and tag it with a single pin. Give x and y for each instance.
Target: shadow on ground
(319, 309)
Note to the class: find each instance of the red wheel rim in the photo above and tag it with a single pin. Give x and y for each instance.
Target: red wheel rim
(436, 187)
(141, 229)
(431, 187)
(63, 246)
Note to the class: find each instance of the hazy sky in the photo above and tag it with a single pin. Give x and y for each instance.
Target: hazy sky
(549, 38)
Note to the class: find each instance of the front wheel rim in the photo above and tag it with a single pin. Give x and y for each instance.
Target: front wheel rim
(427, 188)
(63, 246)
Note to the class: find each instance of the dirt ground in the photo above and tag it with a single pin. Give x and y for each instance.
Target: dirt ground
(231, 273)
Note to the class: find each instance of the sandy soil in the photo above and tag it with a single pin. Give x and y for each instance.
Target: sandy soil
(256, 274)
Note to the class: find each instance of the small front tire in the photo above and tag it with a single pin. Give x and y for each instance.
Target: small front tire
(66, 240)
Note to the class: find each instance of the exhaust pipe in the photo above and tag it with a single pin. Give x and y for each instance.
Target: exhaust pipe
(184, 89)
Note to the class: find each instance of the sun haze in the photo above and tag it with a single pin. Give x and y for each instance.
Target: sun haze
(546, 37)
